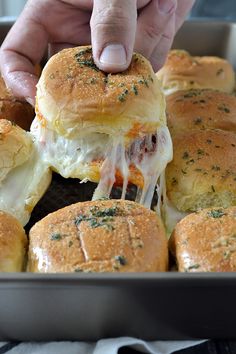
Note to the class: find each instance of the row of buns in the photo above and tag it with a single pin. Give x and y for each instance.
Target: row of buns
(200, 197)
(118, 236)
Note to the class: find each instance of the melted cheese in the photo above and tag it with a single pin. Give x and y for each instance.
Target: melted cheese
(24, 186)
(150, 164)
(69, 156)
(170, 213)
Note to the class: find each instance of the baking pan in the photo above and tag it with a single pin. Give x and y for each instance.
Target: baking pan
(151, 305)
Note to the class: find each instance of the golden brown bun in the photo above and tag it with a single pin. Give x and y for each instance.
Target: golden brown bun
(101, 236)
(183, 72)
(205, 241)
(73, 96)
(203, 171)
(14, 109)
(200, 109)
(13, 244)
(15, 147)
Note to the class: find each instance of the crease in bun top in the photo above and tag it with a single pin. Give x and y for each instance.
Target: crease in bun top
(183, 72)
(106, 128)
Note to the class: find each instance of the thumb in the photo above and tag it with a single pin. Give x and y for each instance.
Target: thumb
(113, 27)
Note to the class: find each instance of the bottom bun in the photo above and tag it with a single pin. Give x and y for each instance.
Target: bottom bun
(205, 241)
(99, 236)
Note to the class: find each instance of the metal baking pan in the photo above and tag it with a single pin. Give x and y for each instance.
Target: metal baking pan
(151, 305)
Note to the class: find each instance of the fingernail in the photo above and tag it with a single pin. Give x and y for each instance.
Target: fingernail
(113, 54)
(166, 6)
(30, 101)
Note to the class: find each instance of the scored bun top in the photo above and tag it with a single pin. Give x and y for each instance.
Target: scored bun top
(74, 95)
(99, 236)
(205, 241)
(183, 72)
(13, 244)
(200, 109)
(203, 171)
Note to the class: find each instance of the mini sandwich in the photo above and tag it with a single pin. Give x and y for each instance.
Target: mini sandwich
(13, 244)
(15, 109)
(202, 173)
(184, 72)
(99, 236)
(205, 241)
(200, 109)
(24, 177)
(106, 128)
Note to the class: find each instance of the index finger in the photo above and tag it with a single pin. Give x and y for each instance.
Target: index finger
(23, 47)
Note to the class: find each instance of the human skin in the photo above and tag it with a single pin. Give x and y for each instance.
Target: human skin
(114, 27)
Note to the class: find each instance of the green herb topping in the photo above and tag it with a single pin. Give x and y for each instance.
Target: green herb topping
(216, 213)
(219, 71)
(123, 95)
(121, 259)
(99, 217)
(197, 120)
(223, 108)
(81, 58)
(135, 90)
(56, 236)
(194, 266)
(185, 155)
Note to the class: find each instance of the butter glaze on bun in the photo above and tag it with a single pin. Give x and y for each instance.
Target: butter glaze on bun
(183, 72)
(15, 109)
(200, 109)
(203, 171)
(13, 244)
(205, 241)
(99, 236)
(73, 94)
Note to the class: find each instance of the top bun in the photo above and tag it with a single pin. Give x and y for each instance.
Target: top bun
(205, 241)
(200, 109)
(74, 95)
(183, 72)
(99, 236)
(202, 173)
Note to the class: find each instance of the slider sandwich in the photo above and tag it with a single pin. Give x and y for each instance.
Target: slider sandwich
(24, 177)
(201, 175)
(99, 236)
(106, 128)
(205, 241)
(184, 72)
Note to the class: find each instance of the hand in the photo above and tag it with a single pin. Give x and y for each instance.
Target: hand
(117, 28)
